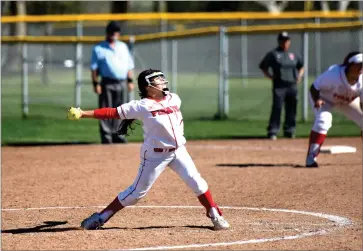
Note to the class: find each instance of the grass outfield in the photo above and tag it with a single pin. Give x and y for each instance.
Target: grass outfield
(249, 110)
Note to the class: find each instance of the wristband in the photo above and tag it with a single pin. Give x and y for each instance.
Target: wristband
(129, 80)
(95, 83)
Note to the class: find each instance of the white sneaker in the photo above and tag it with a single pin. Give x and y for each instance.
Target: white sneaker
(218, 221)
(93, 222)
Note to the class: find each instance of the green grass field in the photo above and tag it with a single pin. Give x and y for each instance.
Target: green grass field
(249, 110)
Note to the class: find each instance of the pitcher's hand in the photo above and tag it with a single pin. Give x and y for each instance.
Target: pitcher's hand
(74, 113)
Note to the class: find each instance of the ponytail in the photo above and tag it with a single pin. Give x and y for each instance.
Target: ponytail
(126, 125)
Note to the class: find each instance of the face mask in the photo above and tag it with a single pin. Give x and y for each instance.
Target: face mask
(157, 79)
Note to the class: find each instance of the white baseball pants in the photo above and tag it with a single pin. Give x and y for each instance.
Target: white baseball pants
(324, 118)
(153, 164)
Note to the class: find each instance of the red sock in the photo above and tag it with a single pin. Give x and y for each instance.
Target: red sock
(315, 142)
(207, 201)
(111, 209)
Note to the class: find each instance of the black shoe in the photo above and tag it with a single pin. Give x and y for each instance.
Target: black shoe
(313, 165)
(289, 135)
(119, 139)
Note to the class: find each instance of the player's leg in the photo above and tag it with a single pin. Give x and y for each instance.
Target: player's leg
(105, 126)
(278, 96)
(152, 165)
(118, 98)
(184, 166)
(322, 124)
(353, 112)
(291, 99)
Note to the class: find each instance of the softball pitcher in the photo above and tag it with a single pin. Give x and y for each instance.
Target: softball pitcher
(340, 88)
(163, 146)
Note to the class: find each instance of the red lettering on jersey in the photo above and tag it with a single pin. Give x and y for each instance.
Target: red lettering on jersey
(344, 98)
(167, 110)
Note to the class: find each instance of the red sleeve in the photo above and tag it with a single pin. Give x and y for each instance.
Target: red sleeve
(106, 113)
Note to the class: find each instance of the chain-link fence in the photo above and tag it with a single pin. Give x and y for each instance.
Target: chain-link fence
(192, 64)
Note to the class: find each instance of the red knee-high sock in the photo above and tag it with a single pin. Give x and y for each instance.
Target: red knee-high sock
(111, 209)
(315, 142)
(207, 201)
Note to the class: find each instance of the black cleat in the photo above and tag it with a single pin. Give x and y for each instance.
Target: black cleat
(312, 165)
(289, 135)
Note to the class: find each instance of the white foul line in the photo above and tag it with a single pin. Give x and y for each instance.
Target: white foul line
(219, 244)
(340, 221)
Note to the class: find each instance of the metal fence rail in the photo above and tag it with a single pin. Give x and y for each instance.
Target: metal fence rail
(215, 62)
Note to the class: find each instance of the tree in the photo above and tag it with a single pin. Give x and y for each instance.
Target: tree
(53, 7)
(180, 6)
(337, 5)
(222, 6)
(274, 6)
(119, 6)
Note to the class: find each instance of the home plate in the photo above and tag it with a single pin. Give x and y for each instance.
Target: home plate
(338, 149)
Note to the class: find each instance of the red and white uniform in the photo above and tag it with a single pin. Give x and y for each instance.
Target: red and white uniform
(163, 146)
(337, 94)
(162, 121)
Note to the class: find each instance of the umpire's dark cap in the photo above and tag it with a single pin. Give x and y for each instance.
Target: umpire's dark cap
(113, 27)
(283, 36)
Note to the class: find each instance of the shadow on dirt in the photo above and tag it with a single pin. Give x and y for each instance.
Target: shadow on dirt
(156, 227)
(47, 227)
(244, 165)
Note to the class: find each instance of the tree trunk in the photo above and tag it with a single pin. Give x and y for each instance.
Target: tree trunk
(343, 5)
(12, 62)
(274, 6)
(120, 7)
(325, 6)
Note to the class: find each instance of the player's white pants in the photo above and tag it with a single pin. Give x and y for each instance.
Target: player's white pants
(153, 164)
(324, 118)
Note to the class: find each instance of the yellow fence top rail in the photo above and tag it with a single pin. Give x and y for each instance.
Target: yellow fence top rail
(188, 33)
(180, 16)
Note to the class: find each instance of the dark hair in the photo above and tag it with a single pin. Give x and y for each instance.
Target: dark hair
(113, 27)
(126, 124)
(347, 57)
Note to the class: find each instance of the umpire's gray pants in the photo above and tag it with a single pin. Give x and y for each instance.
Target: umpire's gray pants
(113, 94)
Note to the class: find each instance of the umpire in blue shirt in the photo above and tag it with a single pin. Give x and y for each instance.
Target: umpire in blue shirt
(112, 60)
(287, 71)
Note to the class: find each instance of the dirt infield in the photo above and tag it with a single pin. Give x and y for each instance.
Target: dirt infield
(61, 185)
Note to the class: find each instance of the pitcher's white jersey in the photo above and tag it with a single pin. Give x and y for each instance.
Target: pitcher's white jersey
(334, 87)
(162, 120)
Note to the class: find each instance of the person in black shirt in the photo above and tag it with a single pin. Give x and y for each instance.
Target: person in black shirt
(287, 71)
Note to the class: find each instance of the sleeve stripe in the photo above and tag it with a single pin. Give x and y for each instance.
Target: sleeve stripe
(121, 112)
(317, 88)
